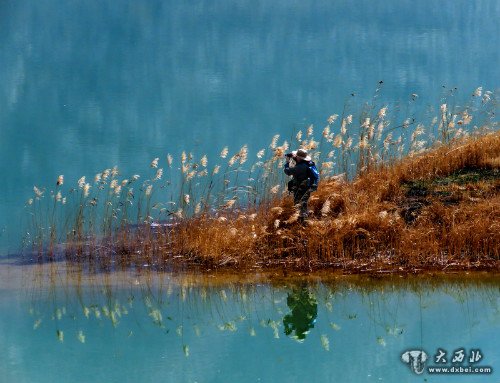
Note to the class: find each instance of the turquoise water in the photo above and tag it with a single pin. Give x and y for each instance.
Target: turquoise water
(86, 85)
(138, 327)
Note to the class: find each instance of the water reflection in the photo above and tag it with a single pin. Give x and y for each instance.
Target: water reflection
(304, 310)
(201, 324)
(228, 303)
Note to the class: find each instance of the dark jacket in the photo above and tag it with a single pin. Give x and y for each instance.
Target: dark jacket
(301, 173)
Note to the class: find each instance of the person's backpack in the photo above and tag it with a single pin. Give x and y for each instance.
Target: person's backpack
(313, 175)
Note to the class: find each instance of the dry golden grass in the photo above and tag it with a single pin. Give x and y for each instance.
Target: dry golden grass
(395, 194)
(381, 220)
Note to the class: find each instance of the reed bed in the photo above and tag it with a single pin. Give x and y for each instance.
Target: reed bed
(396, 193)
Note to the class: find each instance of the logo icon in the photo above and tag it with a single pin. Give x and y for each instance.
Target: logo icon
(415, 359)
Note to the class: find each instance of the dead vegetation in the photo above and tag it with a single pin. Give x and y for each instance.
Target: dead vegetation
(394, 195)
(440, 210)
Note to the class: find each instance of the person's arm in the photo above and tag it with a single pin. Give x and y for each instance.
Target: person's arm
(288, 170)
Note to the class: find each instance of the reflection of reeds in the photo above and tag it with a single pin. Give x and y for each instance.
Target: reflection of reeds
(76, 302)
(238, 214)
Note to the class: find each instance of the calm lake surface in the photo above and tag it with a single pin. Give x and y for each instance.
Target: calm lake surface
(86, 85)
(59, 326)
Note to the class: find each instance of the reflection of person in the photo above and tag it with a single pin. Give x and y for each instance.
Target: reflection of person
(304, 310)
(305, 179)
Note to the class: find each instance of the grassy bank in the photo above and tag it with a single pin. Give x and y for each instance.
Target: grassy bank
(397, 193)
(439, 210)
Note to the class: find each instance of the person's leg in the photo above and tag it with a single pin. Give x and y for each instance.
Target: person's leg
(297, 198)
(297, 201)
(303, 204)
